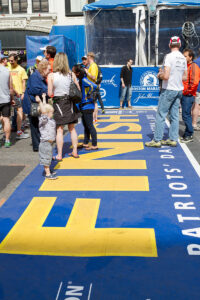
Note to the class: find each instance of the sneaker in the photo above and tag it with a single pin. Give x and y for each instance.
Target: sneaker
(51, 177)
(169, 143)
(21, 135)
(153, 144)
(187, 139)
(53, 172)
(103, 111)
(7, 144)
(196, 128)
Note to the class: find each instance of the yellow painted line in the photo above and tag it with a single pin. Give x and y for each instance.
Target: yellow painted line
(118, 118)
(80, 164)
(97, 183)
(79, 238)
(133, 127)
(117, 136)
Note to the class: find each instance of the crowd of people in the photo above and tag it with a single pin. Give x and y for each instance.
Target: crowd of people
(180, 76)
(42, 99)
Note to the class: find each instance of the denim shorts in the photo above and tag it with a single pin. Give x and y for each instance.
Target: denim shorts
(45, 153)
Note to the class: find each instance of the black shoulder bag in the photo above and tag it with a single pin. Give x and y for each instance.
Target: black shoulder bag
(75, 94)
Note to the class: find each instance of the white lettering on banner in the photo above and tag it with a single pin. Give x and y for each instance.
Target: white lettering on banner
(193, 249)
(102, 93)
(148, 96)
(110, 81)
(181, 199)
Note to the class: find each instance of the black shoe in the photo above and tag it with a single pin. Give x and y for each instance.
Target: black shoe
(187, 139)
(35, 150)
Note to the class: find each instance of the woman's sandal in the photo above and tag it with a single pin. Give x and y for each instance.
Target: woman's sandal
(92, 148)
(55, 158)
(74, 156)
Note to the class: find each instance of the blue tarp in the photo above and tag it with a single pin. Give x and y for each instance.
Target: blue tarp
(62, 44)
(110, 4)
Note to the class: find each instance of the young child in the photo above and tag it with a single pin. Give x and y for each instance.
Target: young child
(47, 127)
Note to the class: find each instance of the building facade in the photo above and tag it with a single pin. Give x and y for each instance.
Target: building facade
(19, 18)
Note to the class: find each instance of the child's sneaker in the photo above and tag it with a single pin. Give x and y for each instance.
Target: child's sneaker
(7, 144)
(21, 135)
(51, 177)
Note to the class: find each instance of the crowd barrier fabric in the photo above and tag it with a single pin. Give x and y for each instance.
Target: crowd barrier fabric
(145, 86)
(62, 44)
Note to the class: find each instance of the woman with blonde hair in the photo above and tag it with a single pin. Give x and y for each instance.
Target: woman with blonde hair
(65, 111)
(36, 86)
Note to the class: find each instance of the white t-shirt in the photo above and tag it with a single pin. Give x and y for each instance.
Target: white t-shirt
(61, 84)
(178, 65)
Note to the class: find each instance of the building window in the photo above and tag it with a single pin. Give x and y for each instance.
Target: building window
(40, 6)
(4, 6)
(74, 7)
(19, 6)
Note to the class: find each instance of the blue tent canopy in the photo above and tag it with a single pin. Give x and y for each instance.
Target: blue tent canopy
(110, 4)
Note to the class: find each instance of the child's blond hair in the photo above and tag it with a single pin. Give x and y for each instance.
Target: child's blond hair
(45, 108)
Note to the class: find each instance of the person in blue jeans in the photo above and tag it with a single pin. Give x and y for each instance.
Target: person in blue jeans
(87, 106)
(126, 83)
(172, 74)
(189, 93)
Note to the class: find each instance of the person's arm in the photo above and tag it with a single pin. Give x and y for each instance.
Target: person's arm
(50, 85)
(92, 73)
(164, 74)
(194, 79)
(75, 81)
(185, 74)
(122, 77)
(24, 78)
(11, 86)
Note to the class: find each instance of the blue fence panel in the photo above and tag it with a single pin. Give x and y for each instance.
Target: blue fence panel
(145, 86)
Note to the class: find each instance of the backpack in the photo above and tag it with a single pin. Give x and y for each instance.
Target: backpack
(100, 76)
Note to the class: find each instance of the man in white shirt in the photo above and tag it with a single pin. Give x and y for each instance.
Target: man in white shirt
(173, 73)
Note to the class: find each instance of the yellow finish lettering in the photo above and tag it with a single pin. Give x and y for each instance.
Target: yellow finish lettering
(112, 127)
(117, 136)
(117, 118)
(79, 238)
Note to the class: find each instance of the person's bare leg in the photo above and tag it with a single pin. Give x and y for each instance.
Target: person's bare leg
(59, 141)
(47, 170)
(6, 128)
(19, 118)
(195, 114)
(74, 138)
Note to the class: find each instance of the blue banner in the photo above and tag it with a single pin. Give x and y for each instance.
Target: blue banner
(145, 86)
(62, 44)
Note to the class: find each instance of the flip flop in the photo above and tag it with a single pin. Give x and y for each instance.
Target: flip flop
(91, 149)
(74, 156)
(56, 159)
(82, 146)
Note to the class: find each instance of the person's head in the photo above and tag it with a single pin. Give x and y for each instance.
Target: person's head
(175, 43)
(3, 60)
(84, 61)
(46, 109)
(50, 52)
(129, 62)
(189, 55)
(13, 60)
(79, 72)
(38, 60)
(90, 57)
(61, 63)
(43, 67)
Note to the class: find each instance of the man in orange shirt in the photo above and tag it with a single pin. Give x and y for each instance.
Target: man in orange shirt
(49, 53)
(189, 93)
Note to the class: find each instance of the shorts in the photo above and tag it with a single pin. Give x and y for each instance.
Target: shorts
(65, 112)
(18, 102)
(197, 98)
(45, 153)
(5, 110)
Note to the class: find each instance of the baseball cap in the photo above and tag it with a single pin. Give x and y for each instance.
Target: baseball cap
(44, 48)
(175, 40)
(84, 57)
(39, 58)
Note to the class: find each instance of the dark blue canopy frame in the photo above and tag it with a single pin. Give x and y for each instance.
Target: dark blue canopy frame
(111, 4)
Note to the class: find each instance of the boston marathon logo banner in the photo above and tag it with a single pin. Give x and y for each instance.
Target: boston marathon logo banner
(121, 222)
(145, 86)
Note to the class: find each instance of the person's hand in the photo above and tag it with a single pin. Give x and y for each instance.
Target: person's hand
(22, 96)
(37, 99)
(123, 85)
